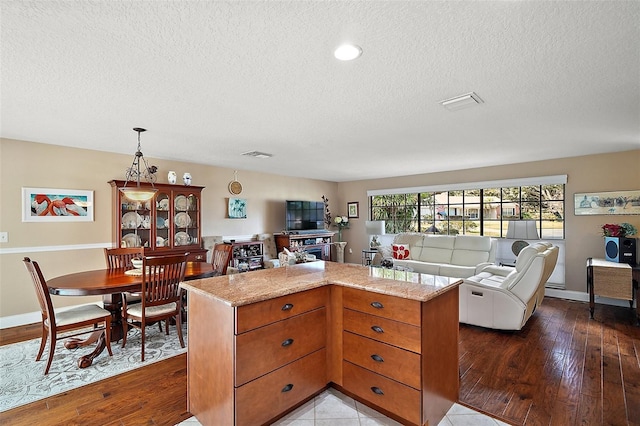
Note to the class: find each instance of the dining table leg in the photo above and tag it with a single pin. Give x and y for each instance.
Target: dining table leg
(112, 303)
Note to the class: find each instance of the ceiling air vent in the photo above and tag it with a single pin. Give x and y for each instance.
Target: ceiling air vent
(257, 154)
(463, 101)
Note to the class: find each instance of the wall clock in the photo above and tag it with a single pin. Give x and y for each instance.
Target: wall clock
(235, 187)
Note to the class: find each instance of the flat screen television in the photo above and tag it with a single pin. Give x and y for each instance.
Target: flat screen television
(304, 215)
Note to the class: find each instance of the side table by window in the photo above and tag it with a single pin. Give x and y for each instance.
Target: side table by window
(367, 256)
(612, 280)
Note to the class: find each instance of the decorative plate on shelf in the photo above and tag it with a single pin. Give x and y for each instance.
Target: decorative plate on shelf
(132, 240)
(181, 203)
(160, 223)
(182, 239)
(183, 220)
(163, 204)
(131, 220)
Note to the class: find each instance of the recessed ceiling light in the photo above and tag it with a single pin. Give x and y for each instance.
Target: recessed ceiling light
(347, 52)
(463, 101)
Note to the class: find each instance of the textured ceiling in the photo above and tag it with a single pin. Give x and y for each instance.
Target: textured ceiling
(211, 80)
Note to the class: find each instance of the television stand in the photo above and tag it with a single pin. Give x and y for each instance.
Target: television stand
(317, 243)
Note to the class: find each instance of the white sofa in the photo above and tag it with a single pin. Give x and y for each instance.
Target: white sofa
(504, 298)
(458, 256)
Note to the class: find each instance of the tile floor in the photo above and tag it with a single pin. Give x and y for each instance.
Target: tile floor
(334, 408)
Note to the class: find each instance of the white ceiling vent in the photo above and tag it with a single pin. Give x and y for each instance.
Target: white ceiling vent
(257, 154)
(463, 101)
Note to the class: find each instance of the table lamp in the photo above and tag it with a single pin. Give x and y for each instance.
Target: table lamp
(374, 228)
(521, 230)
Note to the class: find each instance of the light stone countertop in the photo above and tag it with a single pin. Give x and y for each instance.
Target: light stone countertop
(256, 286)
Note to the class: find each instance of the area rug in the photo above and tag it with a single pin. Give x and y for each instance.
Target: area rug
(22, 380)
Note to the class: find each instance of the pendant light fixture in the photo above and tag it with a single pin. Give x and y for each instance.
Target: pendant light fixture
(139, 170)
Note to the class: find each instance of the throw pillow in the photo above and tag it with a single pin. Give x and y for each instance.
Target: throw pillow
(400, 251)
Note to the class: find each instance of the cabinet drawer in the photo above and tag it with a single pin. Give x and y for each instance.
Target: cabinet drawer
(258, 314)
(264, 349)
(384, 330)
(382, 305)
(615, 283)
(197, 257)
(395, 363)
(263, 399)
(385, 393)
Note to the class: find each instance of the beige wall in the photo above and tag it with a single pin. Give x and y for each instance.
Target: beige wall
(607, 172)
(26, 164)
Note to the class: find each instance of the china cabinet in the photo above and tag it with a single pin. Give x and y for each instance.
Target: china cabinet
(169, 223)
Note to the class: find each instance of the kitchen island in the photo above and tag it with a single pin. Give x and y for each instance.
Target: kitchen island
(262, 343)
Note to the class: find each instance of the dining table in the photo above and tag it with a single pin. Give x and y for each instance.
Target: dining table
(110, 284)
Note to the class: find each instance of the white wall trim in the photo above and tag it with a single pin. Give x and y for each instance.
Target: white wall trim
(503, 183)
(578, 296)
(40, 249)
(31, 317)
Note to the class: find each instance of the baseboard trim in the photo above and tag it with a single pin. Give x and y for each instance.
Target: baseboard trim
(580, 296)
(30, 317)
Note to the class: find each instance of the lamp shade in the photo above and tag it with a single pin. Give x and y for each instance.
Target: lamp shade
(374, 227)
(522, 230)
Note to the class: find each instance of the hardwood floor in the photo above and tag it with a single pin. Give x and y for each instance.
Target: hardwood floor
(561, 369)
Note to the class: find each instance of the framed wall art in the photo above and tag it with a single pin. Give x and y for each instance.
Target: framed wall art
(607, 203)
(237, 208)
(352, 210)
(56, 205)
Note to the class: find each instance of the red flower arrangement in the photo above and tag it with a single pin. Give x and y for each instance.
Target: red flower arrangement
(615, 230)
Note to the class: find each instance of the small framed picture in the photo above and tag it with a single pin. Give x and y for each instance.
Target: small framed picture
(352, 209)
(237, 208)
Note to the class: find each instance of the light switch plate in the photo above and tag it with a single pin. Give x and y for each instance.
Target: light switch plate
(4, 237)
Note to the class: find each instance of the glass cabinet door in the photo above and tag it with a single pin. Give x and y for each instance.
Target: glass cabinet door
(185, 220)
(135, 223)
(163, 220)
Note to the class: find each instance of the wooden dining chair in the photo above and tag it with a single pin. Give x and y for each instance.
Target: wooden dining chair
(221, 257)
(161, 296)
(120, 258)
(54, 322)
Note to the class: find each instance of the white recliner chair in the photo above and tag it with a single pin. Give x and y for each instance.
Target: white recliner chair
(504, 298)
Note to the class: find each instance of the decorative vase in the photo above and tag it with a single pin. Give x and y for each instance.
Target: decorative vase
(172, 177)
(340, 251)
(186, 178)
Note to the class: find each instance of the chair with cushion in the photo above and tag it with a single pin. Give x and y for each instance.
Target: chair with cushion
(54, 322)
(504, 298)
(120, 258)
(221, 257)
(161, 296)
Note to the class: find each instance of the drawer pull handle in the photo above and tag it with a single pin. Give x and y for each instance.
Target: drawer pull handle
(287, 388)
(377, 329)
(377, 358)
(476, 293)
(377, 305)
(287, 307)
(376, 390)
(287, 342)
